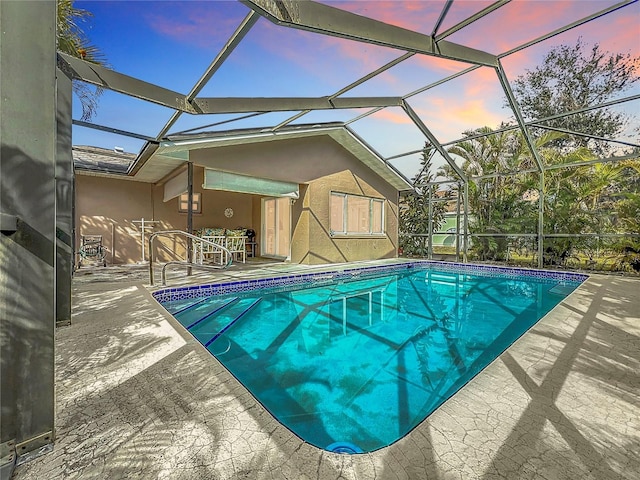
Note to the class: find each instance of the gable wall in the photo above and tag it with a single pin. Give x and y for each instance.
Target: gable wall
(312, 240)
(320, 165)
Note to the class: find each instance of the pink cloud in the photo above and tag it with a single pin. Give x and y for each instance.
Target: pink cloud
(193, 23)
(617, 32)
(396, 116)
(468, 102)
(449, 118)
(482, 83)
(337, 60)
(460, 11)
(522, 20)
(444, 65)
(412, 74)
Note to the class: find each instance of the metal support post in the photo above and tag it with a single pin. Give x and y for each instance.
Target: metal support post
(466, 223)
(541, 221)
(28, 122)
(458, 199)
(430, 237)
(190, 213)
(64, 200)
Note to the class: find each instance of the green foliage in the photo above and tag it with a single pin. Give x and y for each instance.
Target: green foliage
(573, 77)
(414, 209)
(588, 198)
(73, 41)
(628, 255)
(585, 199)
(628, 208)
(500, 204)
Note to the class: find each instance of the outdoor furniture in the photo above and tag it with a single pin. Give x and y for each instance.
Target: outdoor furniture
(252, 248)
(237, 246)
(233, 240)
(209, 252)
(251, 245)
(91, 248)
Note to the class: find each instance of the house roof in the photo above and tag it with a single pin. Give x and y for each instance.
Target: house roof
(98, 160)
(173, 152)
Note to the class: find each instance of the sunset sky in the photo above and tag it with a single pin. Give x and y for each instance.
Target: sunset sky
(172, 43)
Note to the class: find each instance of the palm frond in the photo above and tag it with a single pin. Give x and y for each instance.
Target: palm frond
(73, 41)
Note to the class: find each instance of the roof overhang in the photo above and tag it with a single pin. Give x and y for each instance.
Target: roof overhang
(174, 152)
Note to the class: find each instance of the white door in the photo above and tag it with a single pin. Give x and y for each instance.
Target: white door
(276, 227)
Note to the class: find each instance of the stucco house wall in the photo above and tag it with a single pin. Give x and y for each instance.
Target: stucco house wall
(108, 206)
(320, 165)
(313, 231)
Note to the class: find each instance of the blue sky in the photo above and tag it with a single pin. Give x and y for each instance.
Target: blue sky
(171, 43)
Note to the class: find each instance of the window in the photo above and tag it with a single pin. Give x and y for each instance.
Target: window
(183, 203)
(356, 215)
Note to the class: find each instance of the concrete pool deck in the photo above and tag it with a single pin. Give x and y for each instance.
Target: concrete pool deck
(137, 398)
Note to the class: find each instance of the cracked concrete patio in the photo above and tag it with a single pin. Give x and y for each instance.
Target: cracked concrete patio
(137, 398)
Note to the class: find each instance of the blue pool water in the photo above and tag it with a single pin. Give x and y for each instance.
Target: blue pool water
(353, 365)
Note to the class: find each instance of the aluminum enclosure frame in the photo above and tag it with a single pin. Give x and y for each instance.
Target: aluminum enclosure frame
(327, 20)
(35, 237)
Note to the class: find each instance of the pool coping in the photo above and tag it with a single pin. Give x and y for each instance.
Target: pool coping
(316, 278)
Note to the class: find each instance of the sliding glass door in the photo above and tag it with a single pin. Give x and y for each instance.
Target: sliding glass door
(276, 227)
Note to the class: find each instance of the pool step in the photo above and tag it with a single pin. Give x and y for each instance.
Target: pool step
(196, 312)
(214, 324)
(178, 306)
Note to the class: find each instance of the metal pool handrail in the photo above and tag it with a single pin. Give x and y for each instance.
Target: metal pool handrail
(166, 233)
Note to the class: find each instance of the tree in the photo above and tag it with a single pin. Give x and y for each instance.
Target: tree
(73, 41)
(589, 199)
(573, 77)
(503, 203)
(414, 208)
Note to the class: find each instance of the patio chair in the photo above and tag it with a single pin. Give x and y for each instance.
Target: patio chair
(209, 252)
(236, 245)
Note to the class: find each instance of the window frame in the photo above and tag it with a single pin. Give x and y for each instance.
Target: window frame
(197, 201)
(345, 216)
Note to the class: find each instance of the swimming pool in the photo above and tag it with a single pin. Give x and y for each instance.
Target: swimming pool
(351, 361)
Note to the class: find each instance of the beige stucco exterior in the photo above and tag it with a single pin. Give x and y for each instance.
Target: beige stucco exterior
(108, 206)
(312, 240)
(320, 165)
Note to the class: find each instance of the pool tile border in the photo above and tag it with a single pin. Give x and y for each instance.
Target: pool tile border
(284, 282)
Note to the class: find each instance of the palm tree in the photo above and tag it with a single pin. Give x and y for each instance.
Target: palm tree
(73, 41)
(500, 204)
